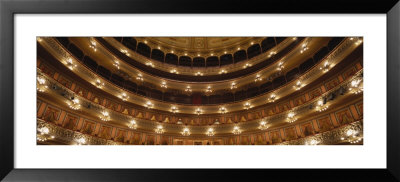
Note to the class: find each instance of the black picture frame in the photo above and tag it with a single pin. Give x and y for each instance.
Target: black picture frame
(9, 8)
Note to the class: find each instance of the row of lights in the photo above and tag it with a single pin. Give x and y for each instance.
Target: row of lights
(198, 54)
(186, 131)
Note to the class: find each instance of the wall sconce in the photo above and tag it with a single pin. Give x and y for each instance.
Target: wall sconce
(272, 98)
(124, 97)
(150, 64)
(174, 109)
(116, 64)
(263, 125)
(210, 132)
(222, 110)
(280, 66)
(132, 124)
(209, 89)
(70, 64)
(174, 71)
(93, 45)
(325, 67)
(236, 130)
(298, 85)
(148, 105)
(198, 111)
(185, 132)
(139, 77)
(41, 84)
(159, 129)
(247, 65)
(233, 86)
(356, 86)
(247, 105)
(74, 104)
(291, 118)
(105, 116)
(303, 48)
(188, 89)
(163, 84)
(258, 78)
(99, 84)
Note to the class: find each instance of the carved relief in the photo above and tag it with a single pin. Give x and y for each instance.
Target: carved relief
(344, 116)
(290, 133)
(325, 123)
(70, 122)
(307, 129)
(51, 114)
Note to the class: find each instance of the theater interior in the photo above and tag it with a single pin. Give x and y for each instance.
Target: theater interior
(199, 90)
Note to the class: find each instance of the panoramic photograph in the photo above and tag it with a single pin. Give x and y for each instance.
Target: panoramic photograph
(199, 90)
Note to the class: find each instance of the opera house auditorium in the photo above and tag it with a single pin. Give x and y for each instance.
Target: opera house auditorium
(199, 91)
